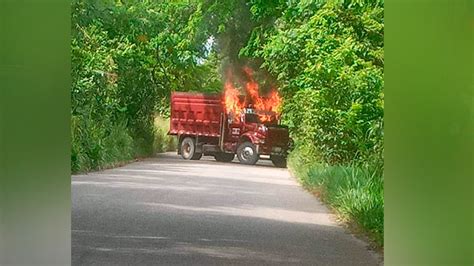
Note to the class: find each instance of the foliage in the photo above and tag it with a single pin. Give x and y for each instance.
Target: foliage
(94, 146)
(355, 192)
(163, 141)
(126, 58)
(328, 60)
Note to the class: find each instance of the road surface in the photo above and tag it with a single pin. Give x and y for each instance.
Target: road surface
(169, 211)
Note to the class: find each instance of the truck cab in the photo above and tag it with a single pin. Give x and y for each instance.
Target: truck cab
(249, 137)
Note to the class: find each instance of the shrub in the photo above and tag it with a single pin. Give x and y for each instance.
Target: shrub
(163, 141)
(328, 60)
(95, 146)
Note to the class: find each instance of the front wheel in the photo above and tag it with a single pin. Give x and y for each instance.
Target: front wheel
(278, 161)
(188, 149)
(247, 153)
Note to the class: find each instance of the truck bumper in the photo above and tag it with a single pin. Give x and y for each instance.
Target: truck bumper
(271, 150)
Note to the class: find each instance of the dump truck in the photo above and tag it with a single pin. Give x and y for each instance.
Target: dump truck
(203, 128)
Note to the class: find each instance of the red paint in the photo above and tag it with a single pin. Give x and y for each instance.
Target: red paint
(195, 114)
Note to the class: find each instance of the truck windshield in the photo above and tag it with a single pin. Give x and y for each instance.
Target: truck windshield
(252, 118)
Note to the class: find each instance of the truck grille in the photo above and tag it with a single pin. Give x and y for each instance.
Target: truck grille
(278, 136)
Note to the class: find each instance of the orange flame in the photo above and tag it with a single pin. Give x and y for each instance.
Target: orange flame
(232, 101)
(265, 107)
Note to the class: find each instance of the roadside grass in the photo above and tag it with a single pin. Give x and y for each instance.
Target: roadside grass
(354, 192)
(96, 147)
(163, 142)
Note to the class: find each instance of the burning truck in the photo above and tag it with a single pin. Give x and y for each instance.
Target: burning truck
(228, 124)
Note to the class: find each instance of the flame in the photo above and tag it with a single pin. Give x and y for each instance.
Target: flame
(265, 107)
(232, 101)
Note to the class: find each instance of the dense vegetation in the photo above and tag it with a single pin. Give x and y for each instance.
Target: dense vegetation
(126, 58)
(326, 57)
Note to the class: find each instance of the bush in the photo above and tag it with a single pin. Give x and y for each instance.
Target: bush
(163, 141)
(328, 59)
(95, 146)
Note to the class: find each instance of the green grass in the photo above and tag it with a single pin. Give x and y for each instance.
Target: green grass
(163, 142)
(95, 146)
(355, 192)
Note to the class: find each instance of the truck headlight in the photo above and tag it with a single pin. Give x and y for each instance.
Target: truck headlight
(262, 128)
(276, 149)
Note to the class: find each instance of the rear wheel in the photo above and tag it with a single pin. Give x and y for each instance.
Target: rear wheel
(224, 157)
(247, 153)
(188, 149)
(278, 161)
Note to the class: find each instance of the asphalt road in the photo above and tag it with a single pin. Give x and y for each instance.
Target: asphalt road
(168, 211)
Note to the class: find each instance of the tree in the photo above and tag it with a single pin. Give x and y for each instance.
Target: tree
(328, 60)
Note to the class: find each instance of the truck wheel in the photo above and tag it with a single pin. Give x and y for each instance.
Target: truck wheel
(278, 160)
(247, 153)
(224, 157)
(188, 149)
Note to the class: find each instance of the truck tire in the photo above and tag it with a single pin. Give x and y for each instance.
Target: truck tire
(224, 157)
(247, 153)
(188, 149)
(278, 160)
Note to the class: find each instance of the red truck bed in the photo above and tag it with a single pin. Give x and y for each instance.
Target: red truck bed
(195, 114)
